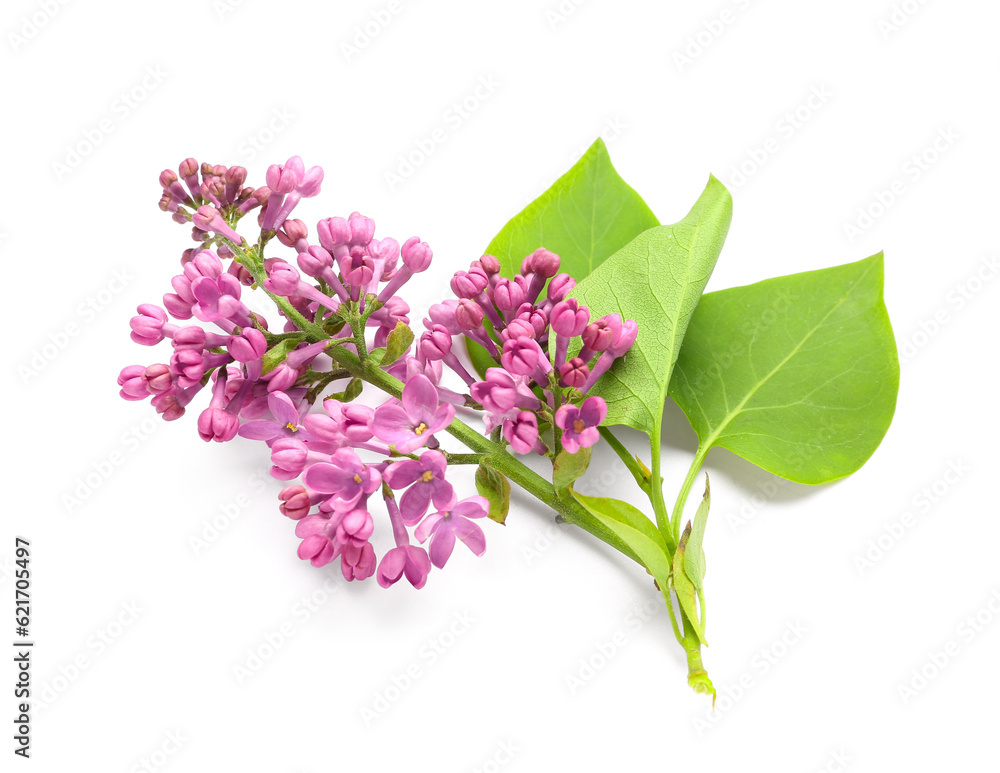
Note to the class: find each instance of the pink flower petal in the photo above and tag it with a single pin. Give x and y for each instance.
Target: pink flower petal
(392, 424)
(420, 399)
(471, 535)
(442, 545)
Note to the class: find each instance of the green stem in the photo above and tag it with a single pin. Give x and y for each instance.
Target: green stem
(656, 488)
(697, 675)
(495, 456)
(463, 458)
(675, 521)
(630, 462)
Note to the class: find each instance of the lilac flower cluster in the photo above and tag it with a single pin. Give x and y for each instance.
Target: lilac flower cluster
(263, 384)
(519, 321)
(340, 303)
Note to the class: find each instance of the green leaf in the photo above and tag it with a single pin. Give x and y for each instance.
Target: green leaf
(496, 488)
(687, 594)
(797, 374)
(397, 342)
(276, 355)
(635, 530)
(567, 467)
(587, 214)
(694, 554)
(351, 391)
(656, 279)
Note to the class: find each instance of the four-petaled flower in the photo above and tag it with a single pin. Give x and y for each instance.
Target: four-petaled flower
(287, 422)
(425, 477)
(410, 425)
(443, 527)
(345, 477)
(579, 425)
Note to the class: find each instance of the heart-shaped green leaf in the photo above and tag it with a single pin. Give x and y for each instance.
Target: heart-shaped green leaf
(656, 279)
(797, 374)
(585, 216)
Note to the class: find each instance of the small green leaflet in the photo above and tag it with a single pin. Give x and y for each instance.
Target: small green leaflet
(694, 555)
(656, 279)
(496, 488)
(797, 374)
(397, 342)
(635, 530)
(585, 216)
(687, 594)
(567, 467)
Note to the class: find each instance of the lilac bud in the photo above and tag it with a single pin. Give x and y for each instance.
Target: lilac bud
(282, 279)
(285, 178)
(522, 432)
(289, 457)
(260, 197)
(559, 287)
(574, 373)
(167, 203)
(215, 191)
(147, 327)
(468, 285)
(537, 318)
(597, 336)
(291, 232)
(516, 329)
(207, 218)
(248, 346)
(469, 315)
(568, 318)
(295, 502)
(508, 295)
(159, 378)
(520, 356)
(543, 262)
(188, 170)
(489, 264)
(333, 232)
(625, 340)
(435, 344)
(416, 254)
(357, 422)
(190, 337)
(234, 178)
(315, 261)
(133, 386)
(167, 178)
(311, 182)
(362, 229)
(218, 425)
(358, 524)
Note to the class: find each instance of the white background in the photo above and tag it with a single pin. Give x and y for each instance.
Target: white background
(84, 243)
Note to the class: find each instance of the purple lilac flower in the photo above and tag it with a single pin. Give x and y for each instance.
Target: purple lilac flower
(287, 421)
(410, 425)
(425, 478)
(445, 526)
(579, 424)
(345, 478)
